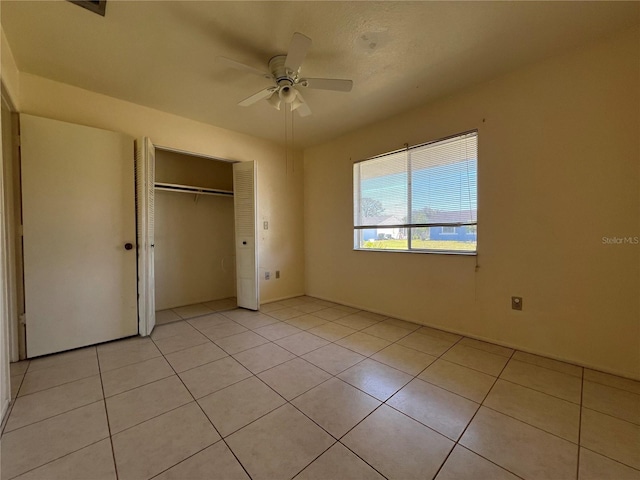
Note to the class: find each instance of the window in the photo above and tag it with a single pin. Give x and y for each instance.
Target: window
(423, 198)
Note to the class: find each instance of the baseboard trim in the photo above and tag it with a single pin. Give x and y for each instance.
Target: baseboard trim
(271, 300)
(571, 361)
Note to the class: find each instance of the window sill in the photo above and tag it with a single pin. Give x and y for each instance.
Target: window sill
(437, 252)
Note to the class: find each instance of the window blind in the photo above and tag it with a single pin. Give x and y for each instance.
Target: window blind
(433, 184)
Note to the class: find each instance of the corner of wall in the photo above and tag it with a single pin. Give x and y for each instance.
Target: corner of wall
(9, 73)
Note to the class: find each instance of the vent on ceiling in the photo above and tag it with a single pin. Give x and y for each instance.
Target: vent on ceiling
(96, 6)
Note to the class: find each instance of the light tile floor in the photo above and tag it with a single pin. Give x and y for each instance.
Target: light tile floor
(314, 390)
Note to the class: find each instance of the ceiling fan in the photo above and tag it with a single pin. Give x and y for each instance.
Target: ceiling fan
(284, 71)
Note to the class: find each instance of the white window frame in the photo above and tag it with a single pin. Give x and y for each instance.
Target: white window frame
(359, 229)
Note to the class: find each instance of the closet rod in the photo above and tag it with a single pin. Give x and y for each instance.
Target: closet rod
(172, 187)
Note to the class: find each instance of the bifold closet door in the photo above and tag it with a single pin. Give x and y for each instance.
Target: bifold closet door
(145, 210)
(244, 200)
(79, 233)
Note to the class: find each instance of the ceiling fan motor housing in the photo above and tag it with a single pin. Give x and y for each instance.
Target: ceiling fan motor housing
(279, 71)
(284, 78)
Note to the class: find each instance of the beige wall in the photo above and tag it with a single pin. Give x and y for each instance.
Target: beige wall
(559, 159)
(194, 249)
(279, 186)
(194, 235)
(181, 169)
(10, 73)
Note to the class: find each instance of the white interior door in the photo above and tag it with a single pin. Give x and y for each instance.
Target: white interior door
(244, 199)
(78, 225)
(145, 182)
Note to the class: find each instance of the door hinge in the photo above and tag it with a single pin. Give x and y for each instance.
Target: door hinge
(22, 318)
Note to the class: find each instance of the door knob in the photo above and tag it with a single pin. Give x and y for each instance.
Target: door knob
(128, 246)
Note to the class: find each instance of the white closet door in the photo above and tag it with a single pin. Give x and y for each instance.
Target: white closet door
(79, 231)
(244, 199)
(5, 383)
(145, 181)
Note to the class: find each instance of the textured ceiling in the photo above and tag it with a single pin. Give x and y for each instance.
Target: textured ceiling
(399, 54)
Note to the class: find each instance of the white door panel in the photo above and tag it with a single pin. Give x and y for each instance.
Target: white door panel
(145, 207)
(78, 214)
(244, 199)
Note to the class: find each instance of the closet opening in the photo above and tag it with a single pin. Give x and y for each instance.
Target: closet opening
(194, 235)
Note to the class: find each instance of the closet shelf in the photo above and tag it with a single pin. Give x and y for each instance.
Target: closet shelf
(174, 187)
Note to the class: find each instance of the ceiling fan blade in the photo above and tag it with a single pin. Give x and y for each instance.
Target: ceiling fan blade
(241, 66)
(256, 97)
(297, 51)
(303, 110)
(300, 105)
(327, 84)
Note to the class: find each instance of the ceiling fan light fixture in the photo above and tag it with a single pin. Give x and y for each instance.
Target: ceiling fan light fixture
(287, 94)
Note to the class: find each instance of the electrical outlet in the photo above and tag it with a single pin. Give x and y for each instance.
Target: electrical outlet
(277, 274)
(267, 275)
(265, 225)
(516, 303)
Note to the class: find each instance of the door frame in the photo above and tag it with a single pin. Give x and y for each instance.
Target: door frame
(156, 147)
(12, 271)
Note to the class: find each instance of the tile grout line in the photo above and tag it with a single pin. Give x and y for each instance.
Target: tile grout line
(336, 376)
(184, 460)
(68, 411)
(552, 369)
(481, 405)
(347, 447)
(61, 457)
(490, 461)
(611, 416)
(375, 409)
(106, 411)
(152, 417)
(612, 386)
(210, 422)
(457, 442)
(54, 415)
(540, 391)
(391, 396)
(530, 425)
(64, 364)
(289, 402)
(337, 440)
(53, 386)
(613, 460)
(509, 358)
(12, 403)
(580, 424)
